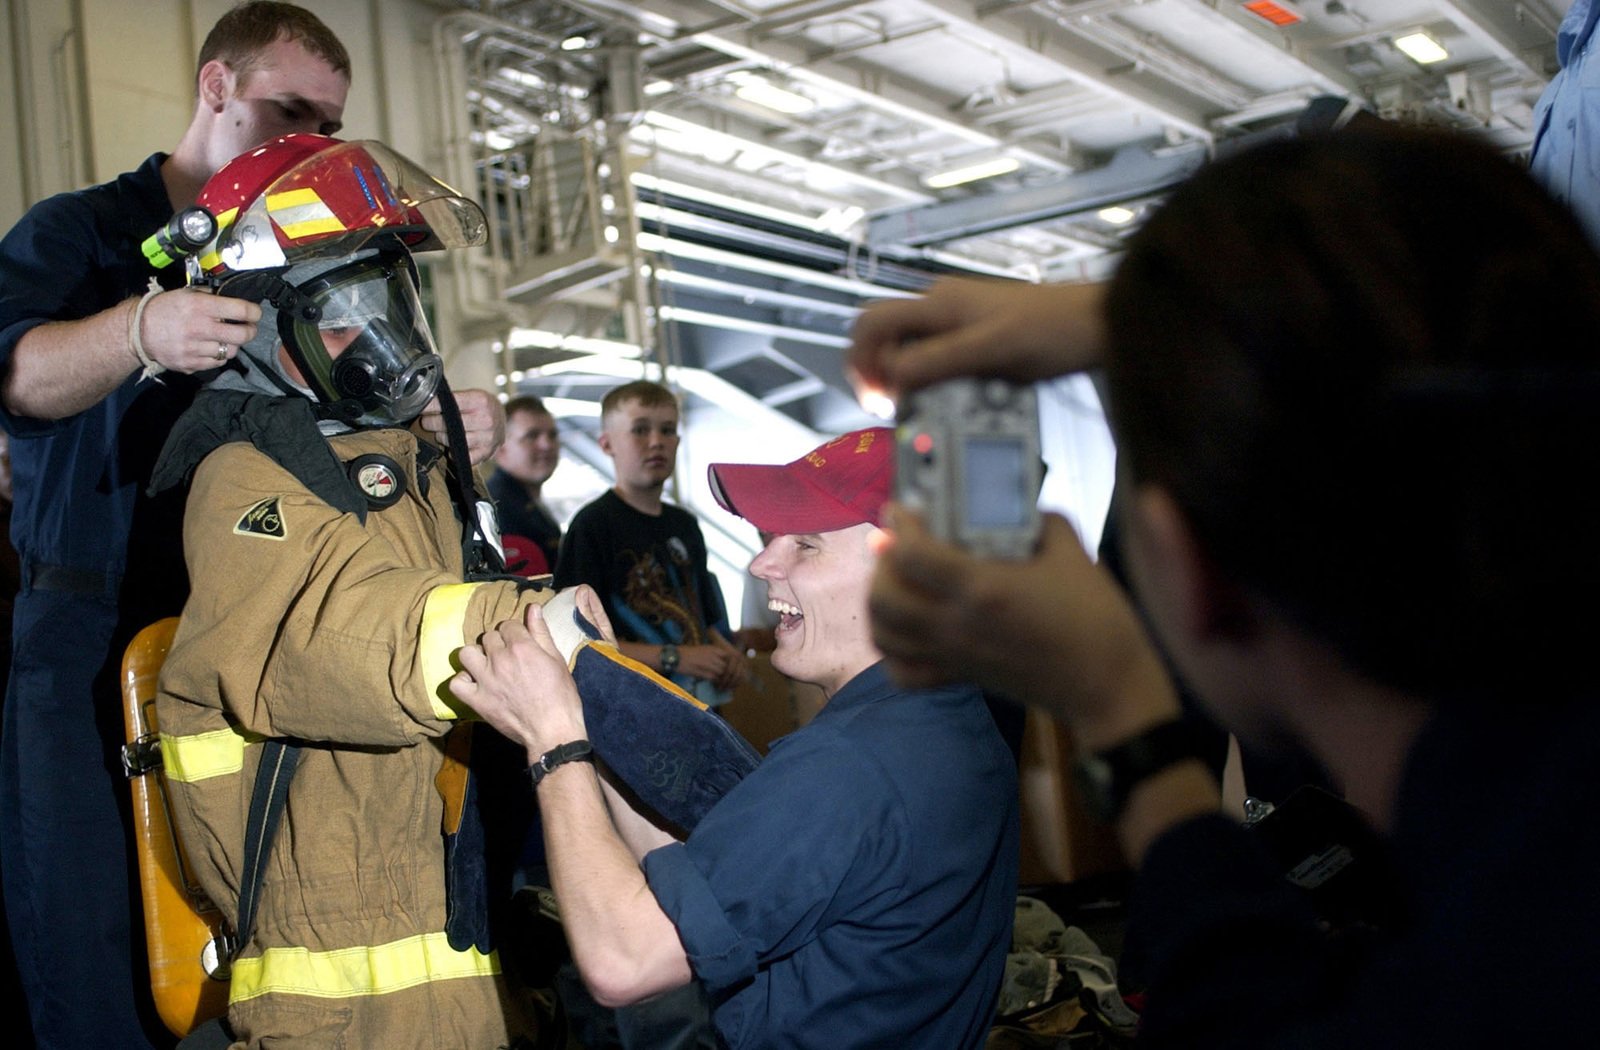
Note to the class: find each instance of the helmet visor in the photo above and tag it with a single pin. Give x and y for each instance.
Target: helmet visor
(360, 338)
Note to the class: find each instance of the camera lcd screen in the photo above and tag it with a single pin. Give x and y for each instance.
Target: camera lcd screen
(996, 479)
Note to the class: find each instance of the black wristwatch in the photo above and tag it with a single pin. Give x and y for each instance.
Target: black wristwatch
(551, 760)
(1105, 779)
(669, 659)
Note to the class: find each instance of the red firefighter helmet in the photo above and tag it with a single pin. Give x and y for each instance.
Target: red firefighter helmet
(303, 197)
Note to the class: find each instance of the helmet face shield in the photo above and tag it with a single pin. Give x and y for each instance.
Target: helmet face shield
(359, 336)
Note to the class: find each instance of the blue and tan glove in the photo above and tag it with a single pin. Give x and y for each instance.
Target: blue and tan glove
(675, 754)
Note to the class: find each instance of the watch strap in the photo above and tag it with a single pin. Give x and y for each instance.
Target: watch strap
(550, 761)
(1107, 778)
(669, 659)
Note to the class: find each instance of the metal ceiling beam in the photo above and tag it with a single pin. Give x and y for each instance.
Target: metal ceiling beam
(1326, 76)
(876, 90)
(1476, 23)
(742, 135)
(1134, 171)
(1068, 55)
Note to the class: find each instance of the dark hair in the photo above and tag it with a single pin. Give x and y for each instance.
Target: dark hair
(525, 403)
(1365, 366)
(244, 32)
(647, 393)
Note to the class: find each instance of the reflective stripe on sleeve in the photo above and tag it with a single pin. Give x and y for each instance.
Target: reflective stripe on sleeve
(443, 615)
(201, 756)
(352, 972)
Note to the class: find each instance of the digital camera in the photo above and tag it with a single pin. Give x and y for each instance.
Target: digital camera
(967, 458)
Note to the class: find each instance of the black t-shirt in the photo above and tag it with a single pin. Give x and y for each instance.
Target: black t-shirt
(650, 571)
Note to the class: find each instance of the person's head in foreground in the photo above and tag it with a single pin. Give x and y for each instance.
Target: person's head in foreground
(820, 509)
(1353, 381)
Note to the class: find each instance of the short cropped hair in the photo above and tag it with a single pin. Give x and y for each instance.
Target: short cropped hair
(526, 403)
(647, 393)
(249, 28)
(1365, 365)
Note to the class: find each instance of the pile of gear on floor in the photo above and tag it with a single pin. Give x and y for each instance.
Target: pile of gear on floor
(1060, 989)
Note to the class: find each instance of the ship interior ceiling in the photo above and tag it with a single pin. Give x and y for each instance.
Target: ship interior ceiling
(719, 185)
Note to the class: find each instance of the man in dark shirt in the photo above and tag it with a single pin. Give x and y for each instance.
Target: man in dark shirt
(81, 324)
(523, 464)
(1352, 378)
(98, 357)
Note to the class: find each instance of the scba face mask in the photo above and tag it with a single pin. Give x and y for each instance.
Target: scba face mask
(359, 337)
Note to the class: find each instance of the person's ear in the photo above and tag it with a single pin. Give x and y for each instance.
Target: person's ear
(604, 442)
(1174, 569)
(215, 84)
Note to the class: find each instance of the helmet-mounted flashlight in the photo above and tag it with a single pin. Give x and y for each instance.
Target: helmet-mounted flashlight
(184, 234)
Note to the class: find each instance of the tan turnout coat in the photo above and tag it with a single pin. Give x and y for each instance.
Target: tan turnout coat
(308, 625)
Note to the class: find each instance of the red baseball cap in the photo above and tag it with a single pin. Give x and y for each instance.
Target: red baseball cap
(838, 484)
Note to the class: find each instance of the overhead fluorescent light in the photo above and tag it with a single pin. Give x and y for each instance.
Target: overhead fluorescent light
(567, 407)
(1421, 47)
(597, 364)
(548, 340)
(971, 173)
(839, 218)
(658, 87)
(575, 43)
(498, 141)
(1116, 215)
(1277, 14)
(763, 92)
(520, 76)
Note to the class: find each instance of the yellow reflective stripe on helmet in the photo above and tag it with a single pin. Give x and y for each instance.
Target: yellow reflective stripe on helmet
(350, 972)
(212, 258)
(201, 756)
(443, 615)
(301, 213)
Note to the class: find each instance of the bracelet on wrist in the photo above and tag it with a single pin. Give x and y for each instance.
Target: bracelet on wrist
(556, 757)
(152, 367)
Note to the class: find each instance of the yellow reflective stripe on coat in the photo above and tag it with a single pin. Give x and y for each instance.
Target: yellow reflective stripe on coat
(201, 756)
(443, 615)
(350, 972)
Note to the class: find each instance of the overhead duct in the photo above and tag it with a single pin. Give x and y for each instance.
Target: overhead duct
(1133, 172)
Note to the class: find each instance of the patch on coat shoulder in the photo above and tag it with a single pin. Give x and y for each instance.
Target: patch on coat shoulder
(264, 520)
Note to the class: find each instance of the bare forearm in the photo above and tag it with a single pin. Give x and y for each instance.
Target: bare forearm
(1136, 693)
(64, 367)
(1167, 799)
(648, 654)
(637, 831)
(61, 368)
(624, 945)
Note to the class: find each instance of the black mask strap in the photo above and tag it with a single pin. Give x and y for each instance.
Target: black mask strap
(478, 554)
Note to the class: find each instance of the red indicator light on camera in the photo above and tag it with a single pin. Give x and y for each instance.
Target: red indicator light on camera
(923, 443)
